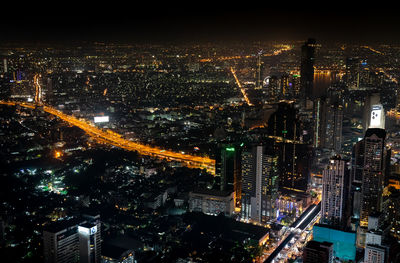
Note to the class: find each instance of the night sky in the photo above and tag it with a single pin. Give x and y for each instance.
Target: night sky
(202, 21)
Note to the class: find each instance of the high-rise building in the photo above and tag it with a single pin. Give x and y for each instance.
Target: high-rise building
(90, 239)
(353, 67)
(307, 69)
(334, 122)
(259, 83)
(89, 243)
(357, 161)
(259, 184)
(374, 254)
(74, 240)
(61, 242)
(335, 192)
(294, 154)
(318, 252)
(328, 116)
(373, 173)
(227, 167)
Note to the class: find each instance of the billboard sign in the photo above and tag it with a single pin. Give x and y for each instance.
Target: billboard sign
(100, 119)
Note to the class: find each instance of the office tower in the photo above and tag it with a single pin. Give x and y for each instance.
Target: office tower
(319, 122)
(357, 161)
(272, 88)
(307, 69)
(353, 73)
(295, 81)
(74, 240)
(259, 83)
(334, 122)
(335, 192)
(90, 239)
(373, 173)
(294, 154)
(61, 242)
(286, 90)
(227, 166)
(259, 183)
(391, 211)
(48, 89)
(328, 116)
(318, 252)
(89, 243)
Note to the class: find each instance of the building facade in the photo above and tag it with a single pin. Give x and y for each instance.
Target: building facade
(259, 184)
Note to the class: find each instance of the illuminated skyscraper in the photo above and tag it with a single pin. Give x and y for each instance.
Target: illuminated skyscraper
(335, 192)
(307, 69)
(61, 242)
(294, 154)
(259, 184)
(89, 243)
(328, 124)
(353, 73)
(227, 166)
(72, 241)
(373, 173)
(90, 240)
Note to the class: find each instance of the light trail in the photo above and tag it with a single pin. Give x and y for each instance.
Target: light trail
(281, 49)
(241, 88)
(38, 89)
(115, 139)
(373, 50)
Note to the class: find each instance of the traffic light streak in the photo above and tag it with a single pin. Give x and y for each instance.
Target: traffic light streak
(112, 138)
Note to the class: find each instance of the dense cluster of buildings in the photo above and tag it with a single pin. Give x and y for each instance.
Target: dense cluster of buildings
(310, 162)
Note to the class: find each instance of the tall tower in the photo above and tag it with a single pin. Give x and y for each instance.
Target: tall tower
(259, 71)
(335, 191)
(259, 184)
(73, 241)
(227, 166)
(353, 67)
(61, 243)
(307, 69)
(373, 173)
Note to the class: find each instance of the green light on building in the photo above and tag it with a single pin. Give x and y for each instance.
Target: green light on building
(230, 149)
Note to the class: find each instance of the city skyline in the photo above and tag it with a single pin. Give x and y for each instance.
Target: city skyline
(169, 133)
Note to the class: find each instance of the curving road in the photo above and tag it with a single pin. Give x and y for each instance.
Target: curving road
(112, 138)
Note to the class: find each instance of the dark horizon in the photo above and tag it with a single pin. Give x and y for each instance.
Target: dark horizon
(199, 24)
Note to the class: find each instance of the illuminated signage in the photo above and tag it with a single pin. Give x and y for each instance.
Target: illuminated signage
(87, 231)
(83, 230)
(93, 230)
(230, 149)
(100, 119)
(377, 119)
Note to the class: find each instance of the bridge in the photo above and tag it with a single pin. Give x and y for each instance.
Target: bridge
(115, 139)
(301, 224)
